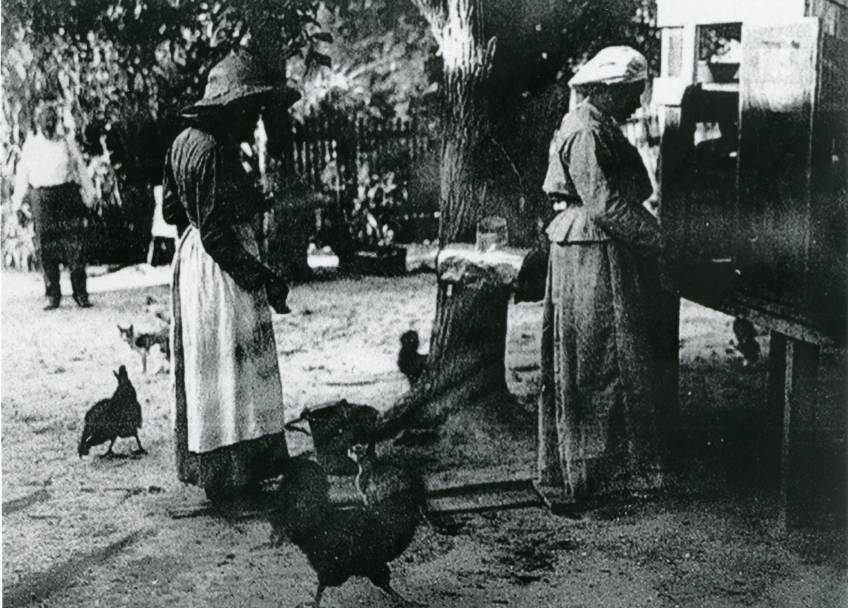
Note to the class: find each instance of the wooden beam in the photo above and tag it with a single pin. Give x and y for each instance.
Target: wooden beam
(18, 504)
(773, 319)
(450, 491)
(735, 298)
(775, 400)
(689, 53)
(555, 499)
(672, 13)
(445, 481)
(799, 488)
(485, 500)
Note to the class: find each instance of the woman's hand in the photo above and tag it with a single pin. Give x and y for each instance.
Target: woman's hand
(278, 292)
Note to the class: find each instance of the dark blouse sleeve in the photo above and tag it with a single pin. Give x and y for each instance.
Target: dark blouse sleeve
(216, 231)
(173, 211)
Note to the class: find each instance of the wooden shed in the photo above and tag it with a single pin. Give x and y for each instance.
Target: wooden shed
(753, 183)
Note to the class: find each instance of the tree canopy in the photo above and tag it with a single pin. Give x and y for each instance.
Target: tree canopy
(383, 60)
(118, 65)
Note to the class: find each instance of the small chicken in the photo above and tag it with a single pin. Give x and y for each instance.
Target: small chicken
(746, 340)
(339, 543)
(409, 360)
(117, 416)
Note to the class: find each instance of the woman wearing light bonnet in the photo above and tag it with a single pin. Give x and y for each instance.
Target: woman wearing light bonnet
(604, 412)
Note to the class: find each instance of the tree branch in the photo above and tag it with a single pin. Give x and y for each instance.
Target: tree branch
(433, 12)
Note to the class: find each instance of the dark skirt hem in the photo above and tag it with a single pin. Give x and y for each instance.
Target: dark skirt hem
(241, 464)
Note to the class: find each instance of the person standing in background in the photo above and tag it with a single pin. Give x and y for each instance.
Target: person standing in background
(52, 175)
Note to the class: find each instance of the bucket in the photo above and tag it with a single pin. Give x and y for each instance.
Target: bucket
(334, 427)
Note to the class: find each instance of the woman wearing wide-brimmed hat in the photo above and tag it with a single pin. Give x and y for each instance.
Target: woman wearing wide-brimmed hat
(608, 341)
(228, 402)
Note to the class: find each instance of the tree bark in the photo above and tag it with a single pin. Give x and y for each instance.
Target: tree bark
(465, 365)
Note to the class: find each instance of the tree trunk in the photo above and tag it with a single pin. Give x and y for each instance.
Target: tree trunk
(465, 366)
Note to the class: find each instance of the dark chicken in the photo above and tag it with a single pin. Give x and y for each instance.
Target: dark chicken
(378, 481)
(409, 360)
(746, 340)
(340, 542)
(117, 416)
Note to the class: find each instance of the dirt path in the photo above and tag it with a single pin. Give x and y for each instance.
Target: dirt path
(93, 532)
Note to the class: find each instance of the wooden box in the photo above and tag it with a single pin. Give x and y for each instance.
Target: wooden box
(754, 171)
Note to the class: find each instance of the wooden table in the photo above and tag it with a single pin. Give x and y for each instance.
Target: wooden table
(793, 367)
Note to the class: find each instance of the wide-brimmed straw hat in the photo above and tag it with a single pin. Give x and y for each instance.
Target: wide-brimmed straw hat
(239, 76)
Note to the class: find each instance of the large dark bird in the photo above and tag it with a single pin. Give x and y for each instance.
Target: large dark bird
(409, 360)
(340, 542)
(378, 480)
(117, 416)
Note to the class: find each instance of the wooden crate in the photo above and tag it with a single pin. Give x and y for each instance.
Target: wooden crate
(775, 207)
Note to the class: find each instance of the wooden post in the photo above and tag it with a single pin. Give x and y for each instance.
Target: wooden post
(774, 416)
(799, 487)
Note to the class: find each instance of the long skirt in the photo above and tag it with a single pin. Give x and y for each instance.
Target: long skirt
(228, 404)
(609, 371)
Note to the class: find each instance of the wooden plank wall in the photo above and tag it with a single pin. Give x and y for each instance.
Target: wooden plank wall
(833, 14)
(777, 97)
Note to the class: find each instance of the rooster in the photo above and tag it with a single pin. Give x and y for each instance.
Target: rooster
(409, 360)
(340, 542)
(377, 481)
(117, 416)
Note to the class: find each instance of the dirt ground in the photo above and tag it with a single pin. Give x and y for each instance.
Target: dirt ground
(90, 532)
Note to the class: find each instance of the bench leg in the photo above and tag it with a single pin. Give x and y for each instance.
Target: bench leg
(800, 485)
(776, 393)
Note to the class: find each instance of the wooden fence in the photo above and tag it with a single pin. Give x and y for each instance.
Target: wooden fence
(333, 153)
(335, 156)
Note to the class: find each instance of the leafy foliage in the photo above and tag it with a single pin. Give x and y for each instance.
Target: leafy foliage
(116, 62)
(382, 60)
(123, 69)
(536, 45)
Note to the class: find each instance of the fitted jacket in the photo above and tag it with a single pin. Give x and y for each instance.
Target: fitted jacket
(205, 186)
(601, 178)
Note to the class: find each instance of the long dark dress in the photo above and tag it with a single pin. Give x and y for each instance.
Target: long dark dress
(228, 408)
(609, 335)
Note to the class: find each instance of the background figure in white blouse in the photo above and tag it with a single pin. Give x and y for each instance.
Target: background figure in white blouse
(51, 175)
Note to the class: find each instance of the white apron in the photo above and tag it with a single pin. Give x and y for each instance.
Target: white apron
(225, 355)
